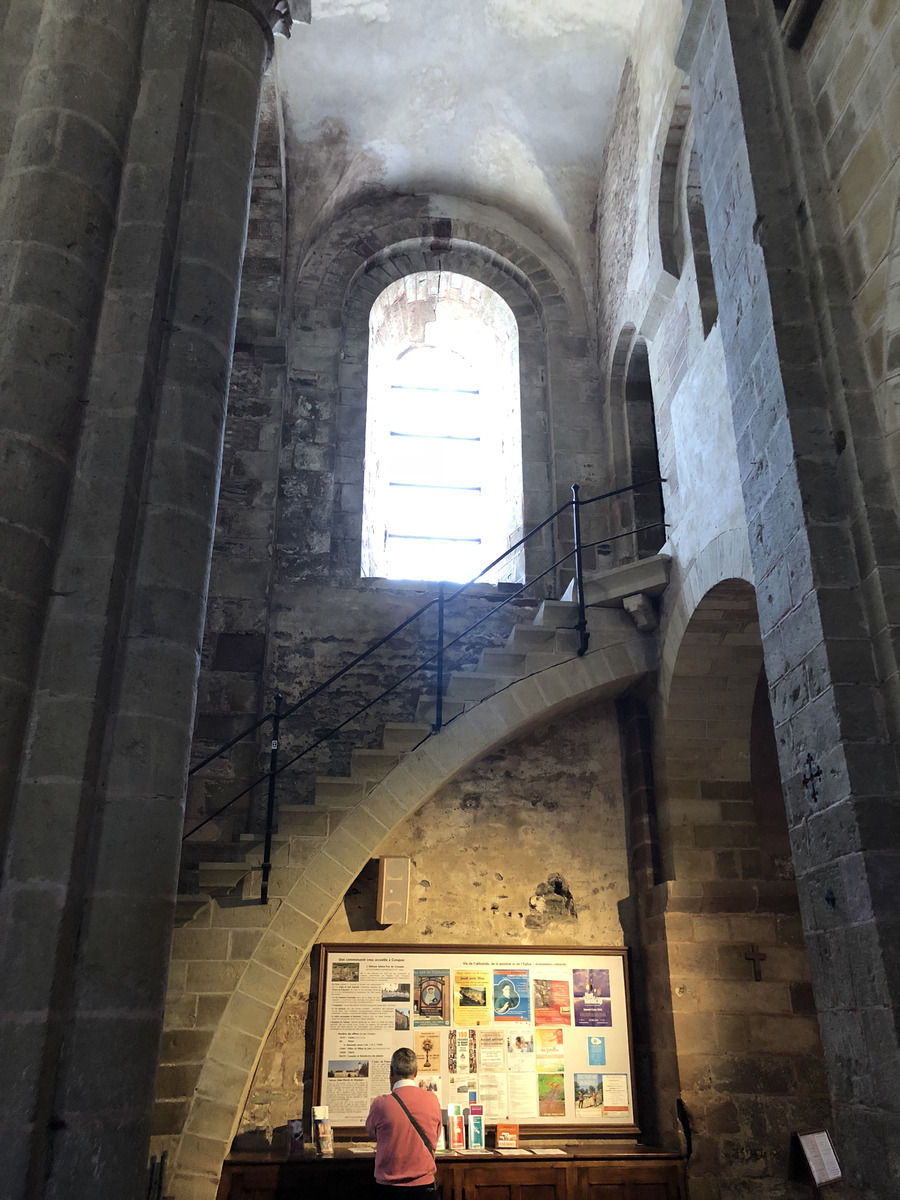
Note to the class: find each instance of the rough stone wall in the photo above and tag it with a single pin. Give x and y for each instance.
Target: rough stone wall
(852, 63)
(484, 850)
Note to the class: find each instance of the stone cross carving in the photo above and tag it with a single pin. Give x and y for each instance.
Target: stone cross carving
(753, 955)
(809, 779)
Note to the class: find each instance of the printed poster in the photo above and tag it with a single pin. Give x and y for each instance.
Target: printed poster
(596, 1051)
(520, 1051)
(551, 1095)
(552, 1003)
(491, 1050)
(593, 1007)
(431, 998)
(471, 993)
(462, 1051)
(615, 1097)
(549, 1048)
(512, 996)
(588, 1094)
(428, 1052)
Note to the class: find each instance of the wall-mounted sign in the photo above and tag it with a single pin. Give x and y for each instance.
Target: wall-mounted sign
(538, 1037)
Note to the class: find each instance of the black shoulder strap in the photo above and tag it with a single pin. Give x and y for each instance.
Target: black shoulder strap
(415, 1124)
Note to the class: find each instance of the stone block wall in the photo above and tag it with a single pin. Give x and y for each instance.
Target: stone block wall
(543, 808)
(852, 63)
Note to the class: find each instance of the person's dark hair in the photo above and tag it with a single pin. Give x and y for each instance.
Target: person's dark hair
(403, 1063)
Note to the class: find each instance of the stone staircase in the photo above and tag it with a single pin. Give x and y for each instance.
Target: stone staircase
(620, 603)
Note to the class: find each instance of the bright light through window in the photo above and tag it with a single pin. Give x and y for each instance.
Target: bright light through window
(436, 432)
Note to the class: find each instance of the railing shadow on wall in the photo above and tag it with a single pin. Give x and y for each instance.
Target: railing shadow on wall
(436, 610)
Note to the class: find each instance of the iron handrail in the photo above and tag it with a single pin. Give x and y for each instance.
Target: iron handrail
(277, 716)
(289, 712)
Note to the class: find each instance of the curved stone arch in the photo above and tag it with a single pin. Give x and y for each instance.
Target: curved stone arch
(666, 189)
(665, 204)
(297, 921)
(631, 429)
(375, 244)
(727, 556)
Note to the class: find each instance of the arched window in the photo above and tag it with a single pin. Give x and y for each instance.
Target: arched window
(443, 471)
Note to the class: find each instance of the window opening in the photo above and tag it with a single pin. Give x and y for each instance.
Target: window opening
(443, 444)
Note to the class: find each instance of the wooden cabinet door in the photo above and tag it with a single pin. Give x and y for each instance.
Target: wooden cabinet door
(618, 1181)
(516, 1181)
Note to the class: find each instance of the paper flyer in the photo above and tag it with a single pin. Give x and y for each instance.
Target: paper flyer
(523, 1103)
(549, 1048)
(588, 1093)
(471, 992)
(593, 1006)
(431, 997)
(520, 1051)
(491, 1050)
(551, 1095)
(596, 1050)
(512, 996)
(428, 1052)
(462, 1051)
(615, 1097)
(552, 1002)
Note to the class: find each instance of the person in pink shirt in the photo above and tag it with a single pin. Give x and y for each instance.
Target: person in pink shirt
(404, 1154)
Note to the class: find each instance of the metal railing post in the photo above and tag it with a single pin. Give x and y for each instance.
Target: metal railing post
(439, 694)
(270, 805)
(583, 635)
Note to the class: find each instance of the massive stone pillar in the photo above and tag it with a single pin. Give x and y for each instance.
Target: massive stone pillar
(810, 471)
(113, 411)
(58, 197)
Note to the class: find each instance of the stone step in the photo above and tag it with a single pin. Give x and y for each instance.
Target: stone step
(527, 638)
(648, 576)
(425, 709)
(502, 662)
(554, 614)
(341, 791)
(524, 662)
(474, 685)
(373, 765)
(222, 876)
(403, 737)
(188, 904)
(303, 820)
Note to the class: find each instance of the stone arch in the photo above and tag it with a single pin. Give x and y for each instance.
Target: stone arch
(288, 929)
(635, 454)
(734, 947)
(727, 556)
(699, 239)
(371, 246)
(669, 212)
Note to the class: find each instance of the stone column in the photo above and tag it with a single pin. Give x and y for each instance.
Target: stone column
(57, 211)
(110, 666)
(105, 1091)
(811, 528)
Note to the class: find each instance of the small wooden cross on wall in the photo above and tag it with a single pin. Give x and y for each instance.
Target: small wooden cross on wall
(811, 775)
(753, 955)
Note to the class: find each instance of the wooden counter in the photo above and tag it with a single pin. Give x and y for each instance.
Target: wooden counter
(586, 1172)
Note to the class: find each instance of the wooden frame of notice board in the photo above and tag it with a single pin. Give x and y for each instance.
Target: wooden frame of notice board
(541, 1035)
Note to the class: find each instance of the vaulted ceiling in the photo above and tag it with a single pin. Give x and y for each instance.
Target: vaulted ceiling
(503, 102)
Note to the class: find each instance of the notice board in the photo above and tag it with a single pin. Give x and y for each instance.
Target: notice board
(539, 1037)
